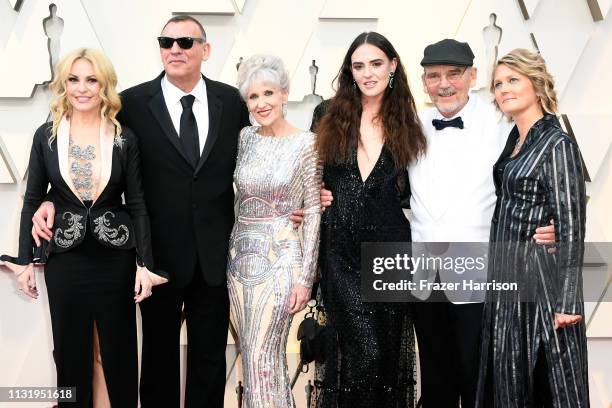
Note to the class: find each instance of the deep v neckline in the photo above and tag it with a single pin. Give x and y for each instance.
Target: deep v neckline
(364, 180)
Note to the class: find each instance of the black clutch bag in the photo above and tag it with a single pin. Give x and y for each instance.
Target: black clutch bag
(311, 335)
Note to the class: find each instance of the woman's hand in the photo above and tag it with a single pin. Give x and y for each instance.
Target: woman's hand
(156, 279)
(299, 297)
(297, 218)
(546, 236)
(143, 285)
(326, 197)
(27, 281)
(563, 320)
(15, 268)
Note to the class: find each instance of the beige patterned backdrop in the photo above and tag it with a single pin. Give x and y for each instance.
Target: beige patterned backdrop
(574, 36)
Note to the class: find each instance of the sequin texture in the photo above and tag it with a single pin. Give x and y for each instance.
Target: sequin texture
(369, 351)
(67, 236)
(81, 169)
(114, 236)
(273, 177)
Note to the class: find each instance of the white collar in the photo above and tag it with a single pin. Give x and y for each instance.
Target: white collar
(467, 112)
(173, 94)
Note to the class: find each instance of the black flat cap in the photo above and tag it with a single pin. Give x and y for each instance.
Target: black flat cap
(448, 52)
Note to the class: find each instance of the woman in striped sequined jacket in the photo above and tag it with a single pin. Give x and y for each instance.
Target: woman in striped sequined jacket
(534, 338)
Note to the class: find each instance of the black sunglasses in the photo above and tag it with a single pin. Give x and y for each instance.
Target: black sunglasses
(183, 42)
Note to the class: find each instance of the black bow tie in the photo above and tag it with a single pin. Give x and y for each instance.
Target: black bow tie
(441, 124)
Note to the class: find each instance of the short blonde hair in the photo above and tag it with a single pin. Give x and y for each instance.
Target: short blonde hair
(267, 68)
(106, 76)
(532, 65)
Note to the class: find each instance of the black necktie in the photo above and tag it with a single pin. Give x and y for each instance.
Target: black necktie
(188, 132)
(441, 124)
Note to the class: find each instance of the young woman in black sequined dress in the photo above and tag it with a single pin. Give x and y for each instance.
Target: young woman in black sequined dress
(367, 134)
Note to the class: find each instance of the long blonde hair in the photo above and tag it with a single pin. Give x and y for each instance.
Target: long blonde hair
(106, 76)
(532, 65)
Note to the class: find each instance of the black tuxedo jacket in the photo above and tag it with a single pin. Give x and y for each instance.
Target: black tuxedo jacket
(191, 209)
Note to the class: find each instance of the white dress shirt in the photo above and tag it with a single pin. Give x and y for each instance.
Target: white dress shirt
(173, 95)
(453, 194)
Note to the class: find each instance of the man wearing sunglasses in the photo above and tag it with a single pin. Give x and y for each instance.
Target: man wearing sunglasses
(188, 128)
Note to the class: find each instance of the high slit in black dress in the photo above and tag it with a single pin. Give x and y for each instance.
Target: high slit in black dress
(91, 284)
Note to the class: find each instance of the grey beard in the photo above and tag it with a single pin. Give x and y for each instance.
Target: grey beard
(448, 108)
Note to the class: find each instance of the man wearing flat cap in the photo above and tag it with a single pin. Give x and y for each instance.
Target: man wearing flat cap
(453, 200)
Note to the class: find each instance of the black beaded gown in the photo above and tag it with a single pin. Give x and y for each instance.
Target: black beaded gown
(369, 352)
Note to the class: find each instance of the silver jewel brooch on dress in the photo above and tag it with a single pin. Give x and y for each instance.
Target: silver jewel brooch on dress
(118, 141)
(81, 169)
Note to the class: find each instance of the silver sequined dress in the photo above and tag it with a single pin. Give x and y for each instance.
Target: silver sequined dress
(273, 177)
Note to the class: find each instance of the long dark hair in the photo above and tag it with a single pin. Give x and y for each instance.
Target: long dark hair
(338, 130)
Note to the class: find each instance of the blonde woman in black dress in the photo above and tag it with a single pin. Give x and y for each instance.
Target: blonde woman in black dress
(91, 273)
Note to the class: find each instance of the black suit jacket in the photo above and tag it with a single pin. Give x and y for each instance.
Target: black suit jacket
(112, 223)
(191, 209)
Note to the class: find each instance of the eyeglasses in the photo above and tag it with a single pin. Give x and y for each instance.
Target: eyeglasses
(183, 42)
(453, 76)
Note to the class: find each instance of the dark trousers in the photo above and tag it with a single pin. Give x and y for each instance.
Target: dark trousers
(207, 318)
(449, 338)
(541, 391)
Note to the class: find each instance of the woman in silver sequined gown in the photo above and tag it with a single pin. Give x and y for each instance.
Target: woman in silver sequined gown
(270, 266)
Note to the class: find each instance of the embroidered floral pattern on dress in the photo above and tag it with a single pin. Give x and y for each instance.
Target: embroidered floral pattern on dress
(115, 236)
(66, 237)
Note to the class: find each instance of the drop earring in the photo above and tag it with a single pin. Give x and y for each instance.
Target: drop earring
(391, 77)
